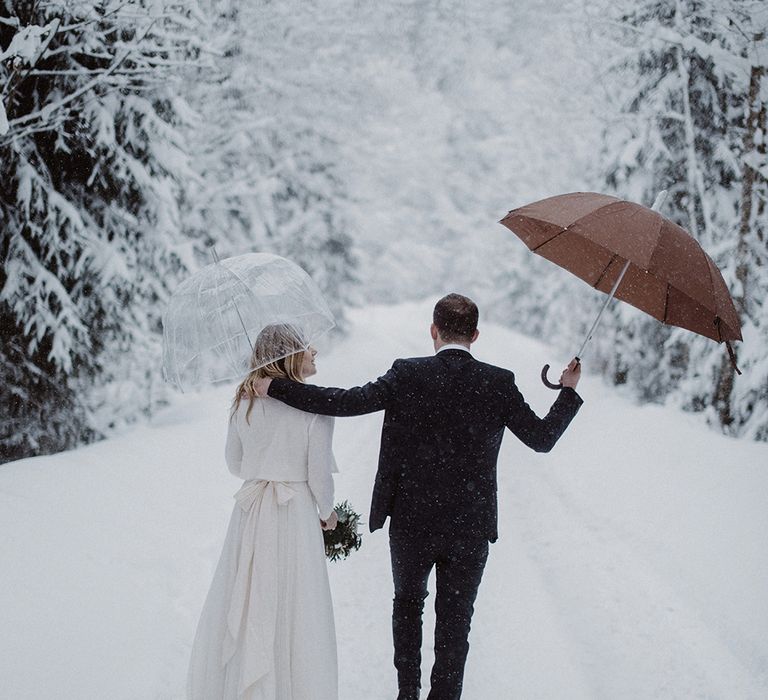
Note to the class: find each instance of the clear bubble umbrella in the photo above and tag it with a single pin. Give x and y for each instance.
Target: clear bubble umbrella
(237, 314)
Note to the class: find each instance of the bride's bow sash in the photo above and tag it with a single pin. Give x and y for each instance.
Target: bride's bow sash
(252, 614)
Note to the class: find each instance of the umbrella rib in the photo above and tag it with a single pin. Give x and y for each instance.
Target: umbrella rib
(575, 221)
(236, 276)
(658, 237)
(712, 286)
(247, 288)
(564, 229)
(698, 304)
(234, 303)
(605, 269)
(549, 240)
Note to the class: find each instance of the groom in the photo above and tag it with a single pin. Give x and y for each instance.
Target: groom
(444, 418)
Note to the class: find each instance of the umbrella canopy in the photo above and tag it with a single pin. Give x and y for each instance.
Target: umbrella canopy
(669, 276)
(238, 314)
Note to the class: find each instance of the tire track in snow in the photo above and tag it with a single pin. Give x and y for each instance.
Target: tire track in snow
(635, 635)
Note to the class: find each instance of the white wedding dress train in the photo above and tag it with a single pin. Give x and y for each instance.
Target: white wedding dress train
(267, 630)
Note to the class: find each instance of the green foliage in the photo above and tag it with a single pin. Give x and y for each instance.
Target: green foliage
(344, 538)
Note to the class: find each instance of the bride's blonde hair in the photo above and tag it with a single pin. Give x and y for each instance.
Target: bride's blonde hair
(275, 340)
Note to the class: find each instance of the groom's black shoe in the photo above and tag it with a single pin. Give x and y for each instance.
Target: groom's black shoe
(408, 692)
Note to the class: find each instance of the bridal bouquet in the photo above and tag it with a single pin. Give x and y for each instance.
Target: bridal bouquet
(340, 541)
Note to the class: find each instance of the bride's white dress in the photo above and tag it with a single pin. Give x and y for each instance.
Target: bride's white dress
(267, 631)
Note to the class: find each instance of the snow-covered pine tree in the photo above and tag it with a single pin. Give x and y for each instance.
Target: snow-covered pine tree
(690, 95)
(93, 171)
(223, 139)
(745, 403)
(306, 220)
(268, 174)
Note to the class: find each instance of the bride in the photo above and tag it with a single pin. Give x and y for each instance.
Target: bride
(266, 631)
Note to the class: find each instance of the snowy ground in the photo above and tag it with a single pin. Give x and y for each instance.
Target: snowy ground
(632, 561)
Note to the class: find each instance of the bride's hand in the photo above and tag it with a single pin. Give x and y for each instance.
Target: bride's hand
(331, 523)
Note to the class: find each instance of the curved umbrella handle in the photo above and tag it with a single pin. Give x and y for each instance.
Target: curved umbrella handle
(546, 381)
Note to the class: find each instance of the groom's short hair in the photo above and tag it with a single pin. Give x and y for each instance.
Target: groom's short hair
(456, 318)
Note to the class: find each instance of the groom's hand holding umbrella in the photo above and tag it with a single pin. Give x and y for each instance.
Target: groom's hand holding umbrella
(571, 374)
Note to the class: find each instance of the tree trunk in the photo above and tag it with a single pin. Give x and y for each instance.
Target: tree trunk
(755, 123)
(756, 116)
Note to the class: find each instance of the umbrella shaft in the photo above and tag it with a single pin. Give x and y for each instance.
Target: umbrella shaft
(616, 284)
(234, 303)
(242, 323)
(658, 203)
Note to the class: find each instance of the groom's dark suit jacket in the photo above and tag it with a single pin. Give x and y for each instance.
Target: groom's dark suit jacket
(443, 423)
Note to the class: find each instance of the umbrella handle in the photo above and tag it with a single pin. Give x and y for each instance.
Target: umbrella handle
(546, 381)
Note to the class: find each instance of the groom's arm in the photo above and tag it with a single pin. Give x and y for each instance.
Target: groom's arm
(371, 397)
(541, 434)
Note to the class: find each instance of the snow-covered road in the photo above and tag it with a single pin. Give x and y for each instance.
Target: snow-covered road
(632, 560)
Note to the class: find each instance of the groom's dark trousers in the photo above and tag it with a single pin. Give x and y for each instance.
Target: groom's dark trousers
(444, 418)
(459, 563)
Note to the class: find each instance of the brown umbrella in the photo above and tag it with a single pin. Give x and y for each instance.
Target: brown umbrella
(634, 253)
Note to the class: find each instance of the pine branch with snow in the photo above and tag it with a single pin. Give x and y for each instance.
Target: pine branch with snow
(689, 89)
(97, 166)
